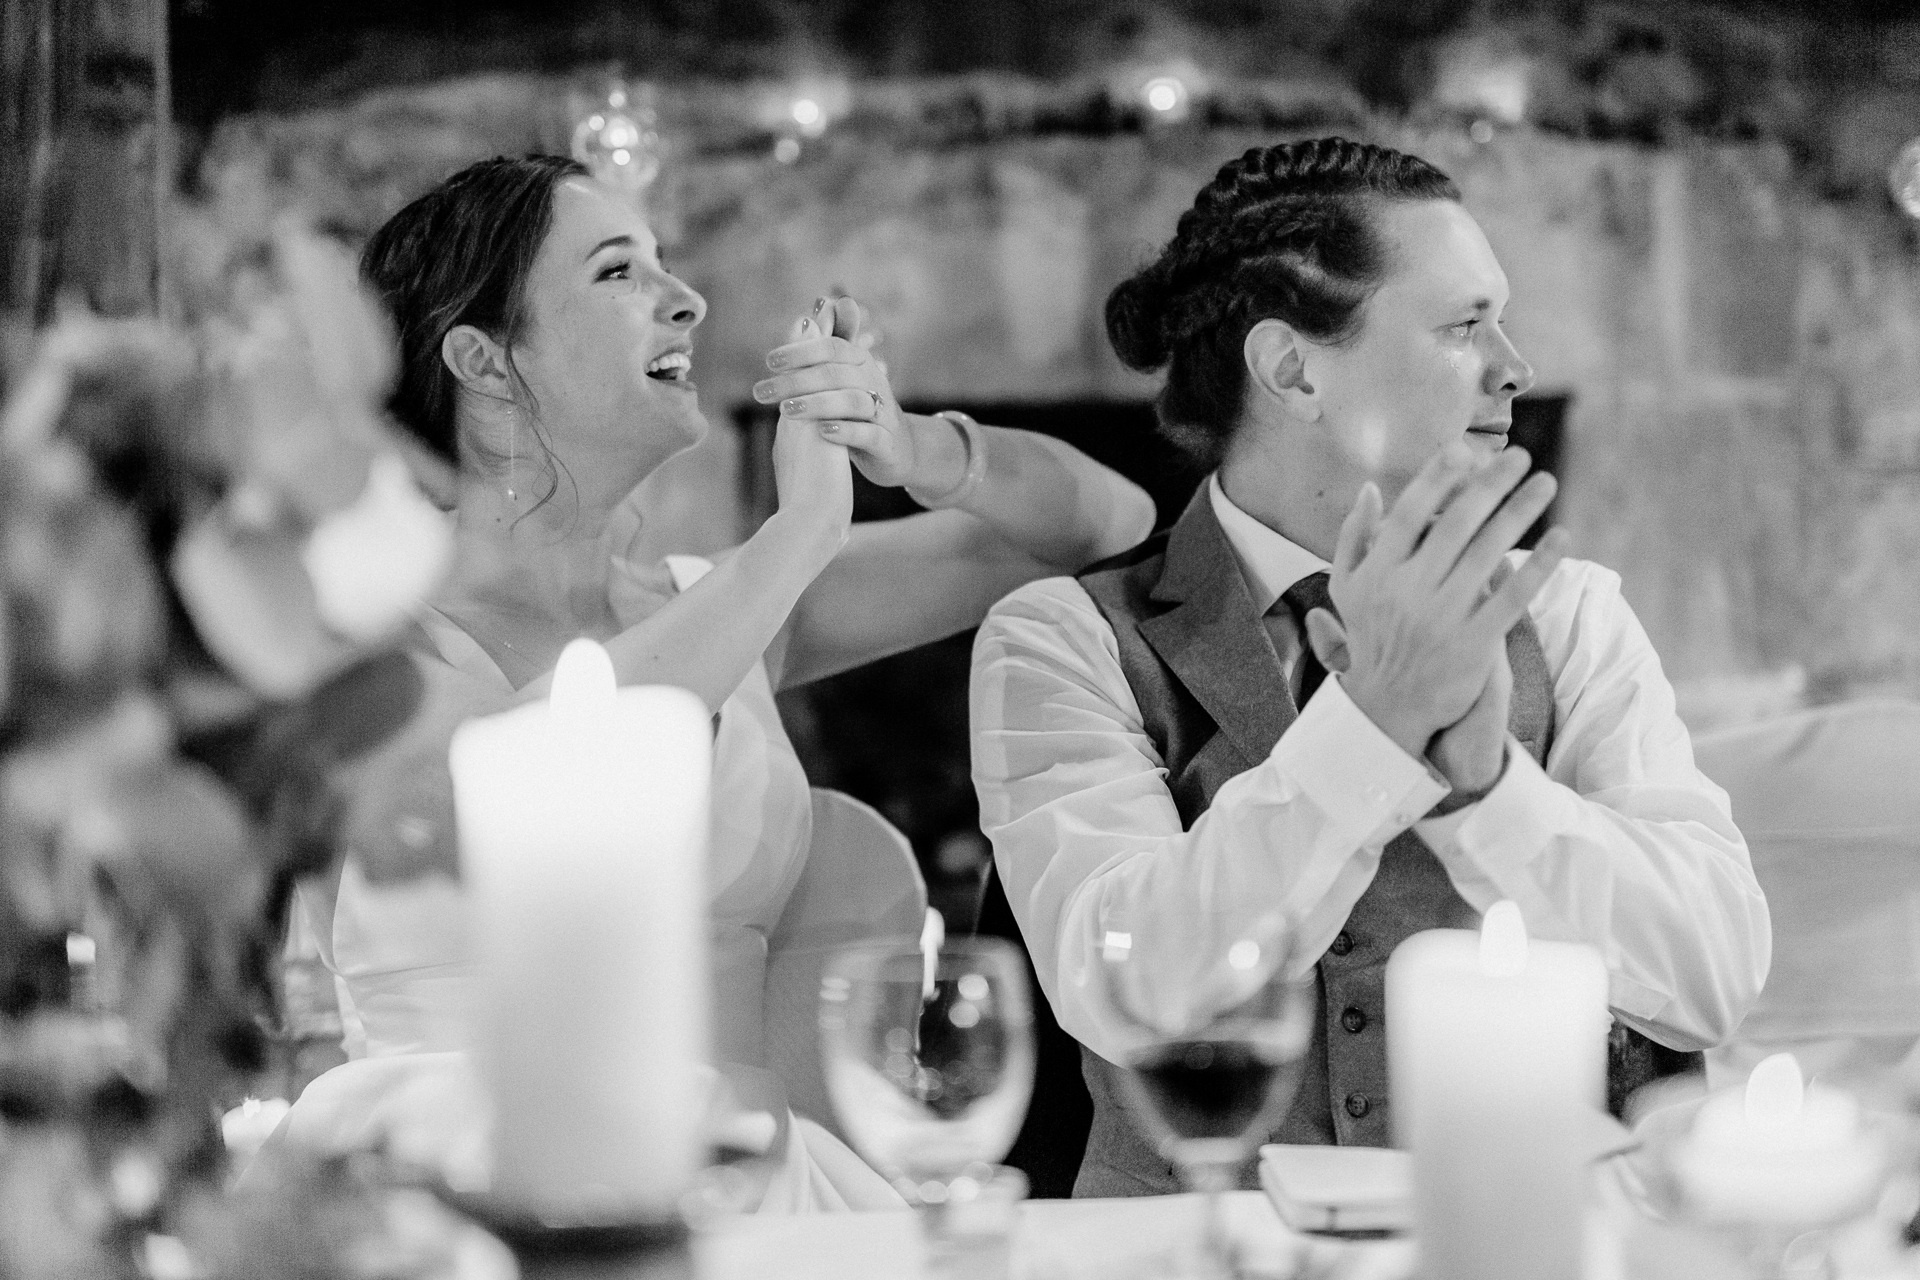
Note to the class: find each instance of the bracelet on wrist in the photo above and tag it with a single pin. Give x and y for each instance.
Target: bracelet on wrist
(974, 441)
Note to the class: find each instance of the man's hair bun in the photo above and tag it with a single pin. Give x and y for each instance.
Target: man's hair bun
(1137, 320)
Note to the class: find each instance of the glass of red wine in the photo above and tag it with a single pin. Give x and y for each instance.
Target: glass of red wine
(1212, 1038)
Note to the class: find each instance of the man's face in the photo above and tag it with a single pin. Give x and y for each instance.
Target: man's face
(1430, 363)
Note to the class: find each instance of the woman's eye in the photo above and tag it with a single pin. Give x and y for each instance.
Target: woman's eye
(1464, 329)
(615, 271)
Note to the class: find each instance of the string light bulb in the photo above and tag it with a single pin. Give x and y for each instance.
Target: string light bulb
(1166, 97)
(618, 141)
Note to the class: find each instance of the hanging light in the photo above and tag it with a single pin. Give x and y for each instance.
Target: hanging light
(618, 141)
(1904, 179)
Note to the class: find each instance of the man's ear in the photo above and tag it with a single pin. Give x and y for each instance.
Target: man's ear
(478, 361)
(1277, 364)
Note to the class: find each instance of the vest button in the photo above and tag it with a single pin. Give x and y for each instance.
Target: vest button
(1357, 1105)
(1342, 943)
(1354, 1020)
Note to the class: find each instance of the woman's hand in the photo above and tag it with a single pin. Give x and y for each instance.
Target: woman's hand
(827, 377)
(810, 467)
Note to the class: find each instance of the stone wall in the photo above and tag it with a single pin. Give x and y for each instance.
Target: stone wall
(1744, 358)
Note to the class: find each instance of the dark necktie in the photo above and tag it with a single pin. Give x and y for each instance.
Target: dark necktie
(1302, 598)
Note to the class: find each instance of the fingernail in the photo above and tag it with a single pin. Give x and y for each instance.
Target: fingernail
(806, 327)
(777, 360)
(763, 394)
(829, 428)
(819, 305)
(790, 406)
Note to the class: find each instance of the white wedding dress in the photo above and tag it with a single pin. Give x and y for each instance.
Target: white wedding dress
(404, 976)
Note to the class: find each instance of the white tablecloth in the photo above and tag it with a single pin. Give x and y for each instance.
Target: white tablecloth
(1055, 1240)
(1133, 1239)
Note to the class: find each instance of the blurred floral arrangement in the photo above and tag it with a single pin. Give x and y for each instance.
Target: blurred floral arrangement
(210, 541)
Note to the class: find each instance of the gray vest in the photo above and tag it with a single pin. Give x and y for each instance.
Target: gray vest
(1214, 699)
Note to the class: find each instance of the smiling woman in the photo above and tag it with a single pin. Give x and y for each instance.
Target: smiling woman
(549, 355)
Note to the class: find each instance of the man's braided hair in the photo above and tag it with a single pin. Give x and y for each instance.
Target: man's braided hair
(1283, 232)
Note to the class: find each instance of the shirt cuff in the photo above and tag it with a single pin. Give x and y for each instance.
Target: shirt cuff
(1512, 824)
(1354, 773)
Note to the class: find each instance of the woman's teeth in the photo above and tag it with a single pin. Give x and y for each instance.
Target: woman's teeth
(672, 367)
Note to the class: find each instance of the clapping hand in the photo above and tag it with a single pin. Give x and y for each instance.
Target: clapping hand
(1421, 631)
(830, 378)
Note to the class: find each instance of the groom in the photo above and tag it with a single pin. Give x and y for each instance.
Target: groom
(1162, 756)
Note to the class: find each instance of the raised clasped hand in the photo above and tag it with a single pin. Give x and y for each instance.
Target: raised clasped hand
(1421, 632)
(829, 377)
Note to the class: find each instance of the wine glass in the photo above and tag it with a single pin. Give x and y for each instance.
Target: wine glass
(929, 1061)
(1212, 1042)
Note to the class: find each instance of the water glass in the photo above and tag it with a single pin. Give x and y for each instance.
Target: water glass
(929, 1059)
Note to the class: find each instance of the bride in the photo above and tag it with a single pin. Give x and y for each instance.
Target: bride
(547, 355)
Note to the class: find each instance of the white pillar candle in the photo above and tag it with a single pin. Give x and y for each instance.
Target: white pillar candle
(1496, 1051)
(1779, 1152)
(583, 828)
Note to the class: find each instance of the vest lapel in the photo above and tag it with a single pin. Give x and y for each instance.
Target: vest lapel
(1211, 638)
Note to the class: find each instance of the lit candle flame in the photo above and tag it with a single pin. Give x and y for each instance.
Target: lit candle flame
(1775, 1091)
(1503, 941)
(583, 681)
(933, 935)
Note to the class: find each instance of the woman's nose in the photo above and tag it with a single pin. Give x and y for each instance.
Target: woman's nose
(681, 305)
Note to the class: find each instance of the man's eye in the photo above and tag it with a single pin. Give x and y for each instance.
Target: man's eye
(1464, 329)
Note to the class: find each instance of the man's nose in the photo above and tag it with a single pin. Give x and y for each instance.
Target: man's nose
(1508, 372)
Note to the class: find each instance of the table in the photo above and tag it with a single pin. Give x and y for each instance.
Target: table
(1056, 1240)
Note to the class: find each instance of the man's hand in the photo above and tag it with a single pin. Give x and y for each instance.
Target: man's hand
(1472, 753)
(1420, 628)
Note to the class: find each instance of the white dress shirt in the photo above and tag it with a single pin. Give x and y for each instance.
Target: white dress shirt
(1619, 841)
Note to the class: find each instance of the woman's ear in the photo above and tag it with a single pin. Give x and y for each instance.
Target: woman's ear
(1277, 364)
(478, 361)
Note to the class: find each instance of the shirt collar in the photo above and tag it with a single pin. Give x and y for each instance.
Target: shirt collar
(1268, 562)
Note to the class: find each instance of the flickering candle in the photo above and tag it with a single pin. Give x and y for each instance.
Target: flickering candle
(1496, 1049)
(933, 936)
(583, 826)
(1777, 1151)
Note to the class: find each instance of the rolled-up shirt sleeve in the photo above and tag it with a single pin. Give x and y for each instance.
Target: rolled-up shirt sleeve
(1088, 841)
(1620, 841)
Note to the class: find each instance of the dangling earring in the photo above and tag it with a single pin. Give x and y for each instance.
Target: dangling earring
(513, 446)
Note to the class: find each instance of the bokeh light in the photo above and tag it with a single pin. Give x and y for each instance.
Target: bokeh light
(1904, 179)
(1166, 97)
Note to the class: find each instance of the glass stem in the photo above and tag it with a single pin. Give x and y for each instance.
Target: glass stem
(1212, 1179)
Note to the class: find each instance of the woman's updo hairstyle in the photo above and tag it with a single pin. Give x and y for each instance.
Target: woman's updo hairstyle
(1284, 232)
(460, 254)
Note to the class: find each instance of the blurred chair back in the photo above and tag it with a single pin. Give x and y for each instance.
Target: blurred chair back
(860, 882)
(1829, 801)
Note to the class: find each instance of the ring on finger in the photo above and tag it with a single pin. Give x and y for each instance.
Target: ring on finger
(878, 400)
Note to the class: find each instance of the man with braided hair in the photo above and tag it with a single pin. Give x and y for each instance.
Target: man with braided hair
(1160, 751)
